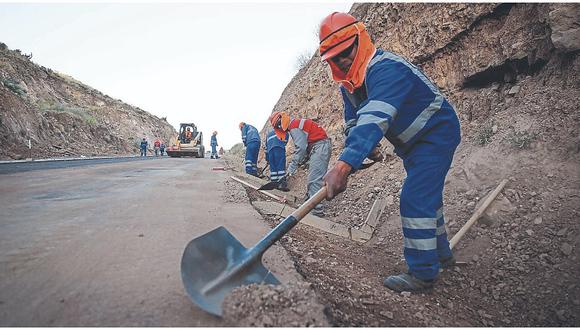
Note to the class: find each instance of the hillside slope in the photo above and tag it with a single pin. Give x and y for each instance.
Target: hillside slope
(63, 117)
(511, 72)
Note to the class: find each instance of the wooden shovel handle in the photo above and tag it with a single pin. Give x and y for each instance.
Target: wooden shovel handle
(310, 204)
(476, 215)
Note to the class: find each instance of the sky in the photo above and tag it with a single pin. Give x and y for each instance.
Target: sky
(213, 64)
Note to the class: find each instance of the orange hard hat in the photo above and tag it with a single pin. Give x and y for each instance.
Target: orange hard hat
(280, 120)
(331, 41)
(338, 32)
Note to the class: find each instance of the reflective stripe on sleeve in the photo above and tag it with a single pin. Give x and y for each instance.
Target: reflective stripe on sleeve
(375, 112)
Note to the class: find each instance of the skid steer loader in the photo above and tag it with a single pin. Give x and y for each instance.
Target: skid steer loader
(189, 142)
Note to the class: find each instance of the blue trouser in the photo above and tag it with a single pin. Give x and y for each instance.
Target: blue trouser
(277, 160)
(143, 152)
(214, 151)
(425, 238)
(252, 149)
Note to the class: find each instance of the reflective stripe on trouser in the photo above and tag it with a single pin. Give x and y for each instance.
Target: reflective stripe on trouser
(425, 239)
(277, 160)
(317, 167)
(252, 150)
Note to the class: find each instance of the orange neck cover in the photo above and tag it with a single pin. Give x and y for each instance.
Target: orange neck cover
(355, 76)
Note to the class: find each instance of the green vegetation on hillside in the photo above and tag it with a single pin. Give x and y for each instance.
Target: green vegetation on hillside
(73, 110)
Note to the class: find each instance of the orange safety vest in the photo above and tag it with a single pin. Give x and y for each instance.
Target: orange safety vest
(315, 132)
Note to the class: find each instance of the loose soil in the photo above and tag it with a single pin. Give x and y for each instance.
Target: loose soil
(294, 304)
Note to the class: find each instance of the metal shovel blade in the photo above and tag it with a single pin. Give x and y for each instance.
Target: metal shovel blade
(214, 264)
(269, 186)
(272, 184)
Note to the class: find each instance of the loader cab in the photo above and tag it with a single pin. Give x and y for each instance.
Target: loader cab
(187, 132)
(188, 143)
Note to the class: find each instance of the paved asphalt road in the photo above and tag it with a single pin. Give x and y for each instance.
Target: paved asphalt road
(101, 244)
(15, 167)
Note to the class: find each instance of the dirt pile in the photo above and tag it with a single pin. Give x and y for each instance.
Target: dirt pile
(511, 72)
(290, 305)
(63, 117)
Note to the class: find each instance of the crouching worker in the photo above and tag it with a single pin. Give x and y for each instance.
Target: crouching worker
(309, 140)
(276, 156)
(384, 95)
(251, 139)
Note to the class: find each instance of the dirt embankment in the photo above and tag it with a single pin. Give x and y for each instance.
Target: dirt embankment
(63, 117)
(511, 72)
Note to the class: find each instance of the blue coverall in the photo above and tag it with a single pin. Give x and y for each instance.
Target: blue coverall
(276, 155)
(399, 102)
(144, 145)
(213, 145)
(251, 139)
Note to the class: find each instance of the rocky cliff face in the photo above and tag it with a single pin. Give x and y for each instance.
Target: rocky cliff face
(63, 117)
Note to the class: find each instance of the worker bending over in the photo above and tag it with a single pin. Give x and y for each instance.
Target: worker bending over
(310, 140)
(276, 156)
(251, 140)
(384, 95)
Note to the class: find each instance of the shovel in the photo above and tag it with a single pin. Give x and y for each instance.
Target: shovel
(272, 184)
(261, 172)
(216, 263)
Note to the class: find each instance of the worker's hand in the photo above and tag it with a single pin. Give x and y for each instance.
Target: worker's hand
(376, 154)
(336, 179)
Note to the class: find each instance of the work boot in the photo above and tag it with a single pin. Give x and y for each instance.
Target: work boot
(319, 214)
(447, 262)
(283, 186)
(407, 282)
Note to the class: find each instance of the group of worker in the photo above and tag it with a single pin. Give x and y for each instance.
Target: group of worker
(158, 147)
(311, 145)
(383, 96)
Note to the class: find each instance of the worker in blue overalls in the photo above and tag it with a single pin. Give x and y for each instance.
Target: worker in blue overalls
(384, 95)
(251, 139)
(213, 143)
(276, 156)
